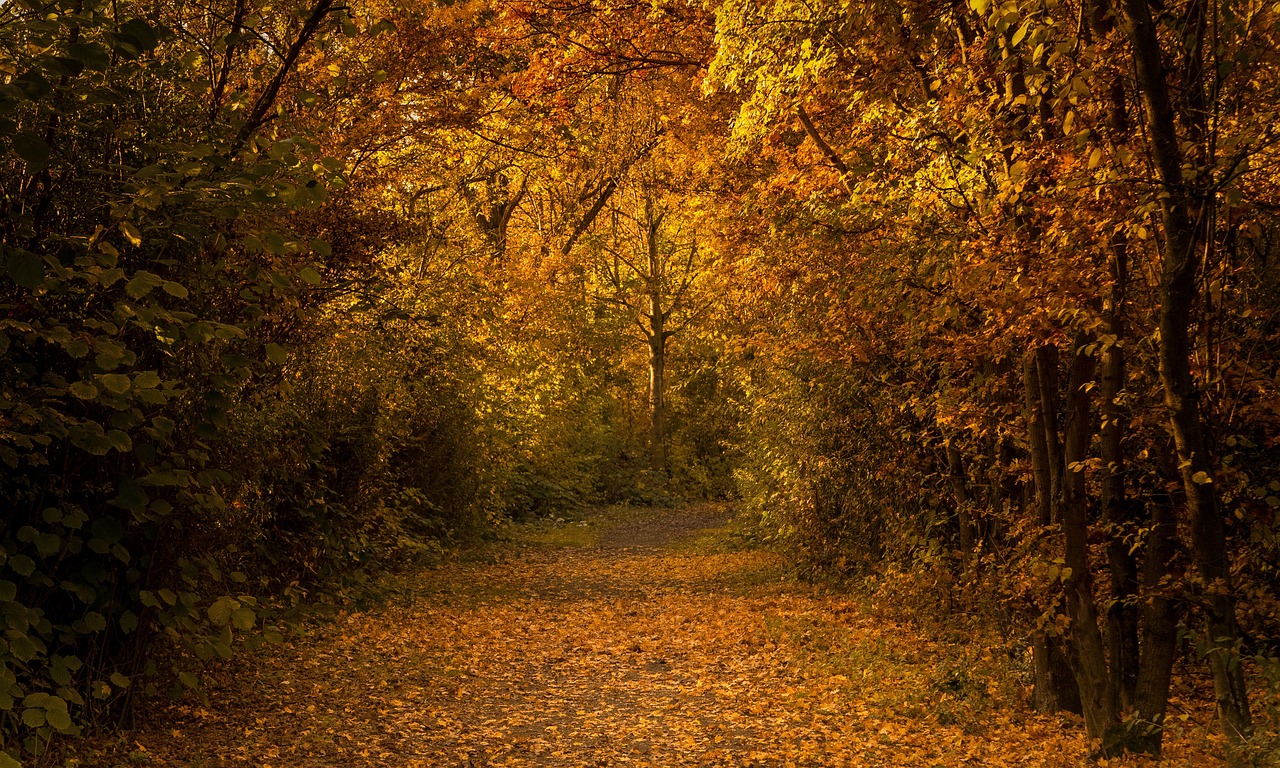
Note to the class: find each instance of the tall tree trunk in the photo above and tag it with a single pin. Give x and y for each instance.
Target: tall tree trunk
(1101, 717)
(1047, 368)
(1122, 616)
(1178, 290)
(1037, 444)
(657, 393)
(964, 501)
(1159, 626)
(657, 334)
(1055, 687)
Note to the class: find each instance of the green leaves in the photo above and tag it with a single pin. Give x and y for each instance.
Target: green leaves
(48, 544)
(221, 610)
(244, 618)
(43, 708)
(277, 354)
(59, 718)
(115, 383)
(130, 496)
(99, 342)
(227, 611)
(131, 233)
(24, 268)
(22, 565)
(142, 283)
(32, 85)
(85, 390)
(23, 648)
(32, 150)
(1019, 35)
(133, 39)
(94, 56)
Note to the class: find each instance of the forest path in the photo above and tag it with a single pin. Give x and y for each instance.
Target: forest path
(637, 638)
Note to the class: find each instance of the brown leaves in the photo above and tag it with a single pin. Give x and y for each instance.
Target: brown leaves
(620, 656)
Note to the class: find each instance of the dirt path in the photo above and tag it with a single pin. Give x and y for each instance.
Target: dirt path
(652, 642)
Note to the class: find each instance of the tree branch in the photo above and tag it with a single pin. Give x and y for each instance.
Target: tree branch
(258, 115)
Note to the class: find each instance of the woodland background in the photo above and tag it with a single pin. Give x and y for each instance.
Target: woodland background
(973, 304)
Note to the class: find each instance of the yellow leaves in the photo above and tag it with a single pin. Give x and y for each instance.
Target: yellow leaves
(131, 233)
(1021, 33)
(629, 655)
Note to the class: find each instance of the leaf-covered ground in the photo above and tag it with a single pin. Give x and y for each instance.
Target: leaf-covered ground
(645, 639)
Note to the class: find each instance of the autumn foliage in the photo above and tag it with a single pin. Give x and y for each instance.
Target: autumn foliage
(971, 305)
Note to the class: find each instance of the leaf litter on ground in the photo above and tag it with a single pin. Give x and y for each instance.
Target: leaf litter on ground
(649, 641)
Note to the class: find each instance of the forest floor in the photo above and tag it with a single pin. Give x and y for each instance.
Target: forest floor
(631, 637)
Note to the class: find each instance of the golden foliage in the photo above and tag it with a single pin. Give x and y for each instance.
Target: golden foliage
(694, 653)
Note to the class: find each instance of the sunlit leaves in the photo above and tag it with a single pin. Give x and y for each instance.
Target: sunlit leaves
(131, 233)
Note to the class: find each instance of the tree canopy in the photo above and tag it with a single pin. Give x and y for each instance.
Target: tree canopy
(976, 299)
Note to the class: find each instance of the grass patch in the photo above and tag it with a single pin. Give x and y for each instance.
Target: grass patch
(741, 533)
(557, 533)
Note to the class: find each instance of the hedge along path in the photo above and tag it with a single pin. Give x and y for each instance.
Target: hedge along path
(642, 641)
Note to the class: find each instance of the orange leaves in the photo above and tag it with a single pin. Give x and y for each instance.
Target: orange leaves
(632, 655)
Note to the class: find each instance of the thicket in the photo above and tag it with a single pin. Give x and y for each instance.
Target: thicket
(1018, 301)
(261, 329)
(175, 435)
(976, 300)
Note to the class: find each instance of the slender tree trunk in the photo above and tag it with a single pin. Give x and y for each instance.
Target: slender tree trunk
(1038, 446)
(657, 334)
(1178, 290)
(657, 394)
(1055, 687)
(1159, 626)
(1122, 616)
(1047, 368)
(964, 501)
(1101, 717)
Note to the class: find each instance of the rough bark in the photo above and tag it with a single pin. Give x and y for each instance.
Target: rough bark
(1159, 627)
(1102, 720)
(1122, 614)
(1037, 443)
(657, 393)
(493, 216)
(1047, 369)
(657, 336)
(584, 223)
(1183, 239)
(1055, 687)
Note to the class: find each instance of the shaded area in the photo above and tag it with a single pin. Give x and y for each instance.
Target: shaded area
(660, 527)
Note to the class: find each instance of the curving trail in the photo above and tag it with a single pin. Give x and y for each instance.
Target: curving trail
(653, 642)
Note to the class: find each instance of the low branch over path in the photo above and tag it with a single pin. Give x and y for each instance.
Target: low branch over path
(637, 638)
